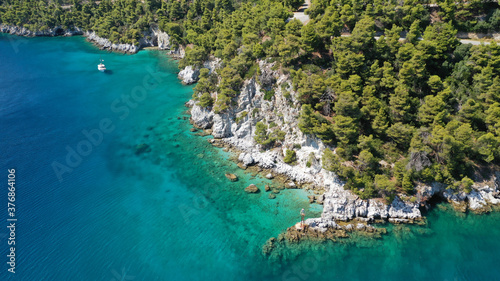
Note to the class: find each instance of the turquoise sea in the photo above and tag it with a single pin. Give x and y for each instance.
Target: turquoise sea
(90, 206)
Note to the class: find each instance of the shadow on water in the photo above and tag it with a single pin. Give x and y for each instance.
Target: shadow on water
(108, 72)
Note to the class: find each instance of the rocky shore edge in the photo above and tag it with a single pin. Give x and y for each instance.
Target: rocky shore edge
(235, 130)
(307, 232)
(152, 38)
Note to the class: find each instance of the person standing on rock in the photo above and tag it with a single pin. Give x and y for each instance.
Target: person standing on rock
(302, 215)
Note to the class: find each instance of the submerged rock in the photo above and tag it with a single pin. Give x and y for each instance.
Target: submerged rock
(272, 196)
(269, 246)
(142, 148)
(232, 177)
(252, 189)
(267, 188)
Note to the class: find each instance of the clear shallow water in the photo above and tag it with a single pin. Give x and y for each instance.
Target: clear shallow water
(170, 213)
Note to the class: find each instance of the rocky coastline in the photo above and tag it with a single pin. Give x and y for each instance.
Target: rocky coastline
(235, 128)
(56, 31)
(152, 38)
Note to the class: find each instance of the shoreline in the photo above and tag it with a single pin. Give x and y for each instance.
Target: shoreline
(341, 204)
(235, 129)
(153, 38)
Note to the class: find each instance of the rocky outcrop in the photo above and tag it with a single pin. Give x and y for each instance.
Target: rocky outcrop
(162, 39)
(231, 177)
(252, 189)
(222, 126)
(56, 31)
(202, 117)
(151, 38)
(479, 200)
(190, 74)
(106, 44)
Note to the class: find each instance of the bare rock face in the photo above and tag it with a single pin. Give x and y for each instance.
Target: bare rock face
(149, 38)
(222, 126)
(252, 189)
(202, 117)
(340, 204)
(246, 158)
(56, 31)
(108, 45)
(162, 39)
(404, 210)
(189, 75)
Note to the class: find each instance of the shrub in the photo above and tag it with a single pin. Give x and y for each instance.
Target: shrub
(268, 95)
(254, 112)
(290, 157)
(206, 100)
(241, 117)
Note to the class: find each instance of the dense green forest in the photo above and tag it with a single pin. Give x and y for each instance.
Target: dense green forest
(394, 112)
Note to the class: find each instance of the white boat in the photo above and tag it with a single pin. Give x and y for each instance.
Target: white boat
(101, 67)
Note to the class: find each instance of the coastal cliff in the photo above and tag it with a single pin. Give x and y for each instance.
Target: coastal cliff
(236, 127)
(152, 38)
(57, 31)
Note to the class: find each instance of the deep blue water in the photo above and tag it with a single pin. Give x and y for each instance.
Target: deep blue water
(169, 213)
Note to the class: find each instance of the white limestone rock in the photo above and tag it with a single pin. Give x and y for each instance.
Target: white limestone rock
(202, 117)
(246, 158)
(106, 44)
(189, 75)
(162, 39)
(405, 210)
(222, 126)
(56, 31)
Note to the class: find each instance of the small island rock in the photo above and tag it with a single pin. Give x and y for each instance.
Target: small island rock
(252, 189)
(232, 177)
